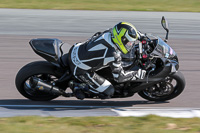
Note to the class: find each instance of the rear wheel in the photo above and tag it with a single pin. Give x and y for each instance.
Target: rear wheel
(24, 80)
(168, 89)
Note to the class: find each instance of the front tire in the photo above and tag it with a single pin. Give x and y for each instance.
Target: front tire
(167, 92)
(42, 69)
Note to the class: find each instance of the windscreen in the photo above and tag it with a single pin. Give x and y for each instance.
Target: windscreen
(163, 50)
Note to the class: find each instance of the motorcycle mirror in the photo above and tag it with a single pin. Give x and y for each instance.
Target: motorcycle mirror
(165, 25)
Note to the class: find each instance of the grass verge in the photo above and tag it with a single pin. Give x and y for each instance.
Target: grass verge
(122, 5)
(148, 124)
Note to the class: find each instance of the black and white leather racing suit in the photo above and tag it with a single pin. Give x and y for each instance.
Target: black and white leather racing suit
(98, 52)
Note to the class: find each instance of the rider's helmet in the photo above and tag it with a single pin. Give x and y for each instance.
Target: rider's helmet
(124, 36)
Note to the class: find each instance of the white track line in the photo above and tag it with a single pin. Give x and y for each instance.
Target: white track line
(163, 112)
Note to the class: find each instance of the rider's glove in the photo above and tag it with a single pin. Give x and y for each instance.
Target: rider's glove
(140, 74)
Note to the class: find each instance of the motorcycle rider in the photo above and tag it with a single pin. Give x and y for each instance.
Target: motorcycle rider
(102, 50)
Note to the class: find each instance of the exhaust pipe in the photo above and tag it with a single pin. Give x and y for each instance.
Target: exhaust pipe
(42, 86)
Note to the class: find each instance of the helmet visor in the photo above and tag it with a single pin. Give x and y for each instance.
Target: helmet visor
(129, 45)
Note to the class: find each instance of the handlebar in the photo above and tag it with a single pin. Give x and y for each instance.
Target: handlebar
(144, 50)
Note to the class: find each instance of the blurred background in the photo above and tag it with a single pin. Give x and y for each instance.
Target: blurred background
(111, 5)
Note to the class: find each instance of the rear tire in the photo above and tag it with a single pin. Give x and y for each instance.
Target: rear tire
(177, 89)
(33, 69)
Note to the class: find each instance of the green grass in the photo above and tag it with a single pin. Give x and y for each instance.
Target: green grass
(122, 5)
(148, 124)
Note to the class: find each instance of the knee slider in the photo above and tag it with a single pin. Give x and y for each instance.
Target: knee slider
(109, 91)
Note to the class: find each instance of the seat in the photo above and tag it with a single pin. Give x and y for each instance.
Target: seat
(63, 61)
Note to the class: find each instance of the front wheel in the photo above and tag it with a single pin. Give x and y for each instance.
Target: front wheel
(168, 89)
(40, 69)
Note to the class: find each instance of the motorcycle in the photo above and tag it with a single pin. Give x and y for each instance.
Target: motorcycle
(47, 80)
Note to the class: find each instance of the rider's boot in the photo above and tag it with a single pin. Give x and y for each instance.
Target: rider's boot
(78, 89)
(79, 94)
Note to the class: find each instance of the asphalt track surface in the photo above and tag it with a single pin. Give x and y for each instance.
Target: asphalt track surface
(17, 27)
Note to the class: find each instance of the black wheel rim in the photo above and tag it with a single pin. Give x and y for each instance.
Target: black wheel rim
(162, 89)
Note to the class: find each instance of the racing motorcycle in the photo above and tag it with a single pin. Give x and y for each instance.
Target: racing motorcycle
(47, 80)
